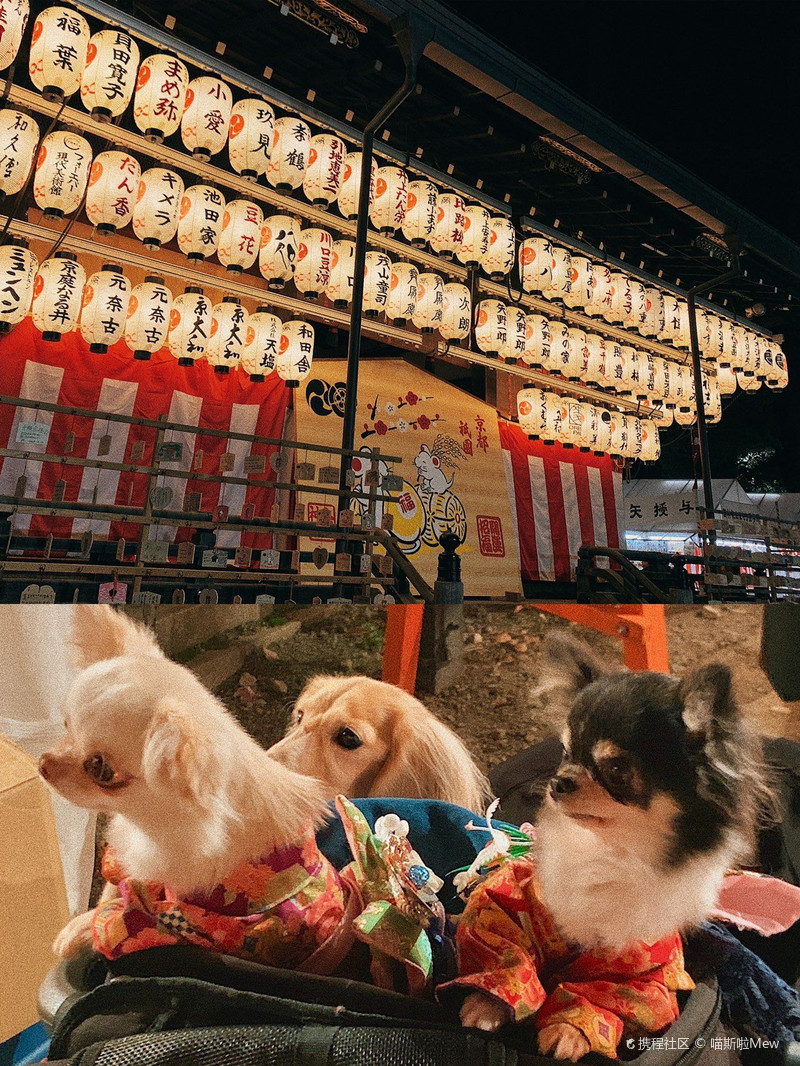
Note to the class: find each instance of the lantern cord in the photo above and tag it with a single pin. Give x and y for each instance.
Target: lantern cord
(19, 199)
(9, 82)
(511, 298)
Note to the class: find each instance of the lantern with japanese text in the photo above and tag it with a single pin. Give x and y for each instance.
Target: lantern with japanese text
(160, 96)
(148, 319)
(325, 171)
(615, 366)
(663, 381)
(312, 270)
(576, 428)
(278, 253)
(240, 238)
(109, 77)
(746, 382)
(250, 137)
(593, 371)
(600, 290)
(58, 52)
(501, 253)
(581, 283)
(599, 428)
(189, 325)
(57, 295)
(781, 377)
(457, 312)
(741, 359)
(555, 412)
(387, 209)
(206, 117)
(402, 302)
(448, 232)
(536, 264)
(13, 19)
(532, 411)
(491, 326)
(637, 373)
(62, 171)
(561, 359)
(516, 331)
(200, 221)
(637, 315)
(351, 183)
(340, 286)
(112, 191)
(561, 274)
(420, 216)
(105, 307)
(578, 354)
(429, 308)
(712, 399)
(654, 312)
(619, 303)
(158, 203)
(288, 158)
(670, 330)
(537, 340)
(295, 352)
(263, 341)
(377, 281)
(18, 267)
(726, 381)
(686, 416)
(19, 138)
(651, 442)
(757, 346)
(228, 335)
(727, 342)
(476, 236)
(713, 336)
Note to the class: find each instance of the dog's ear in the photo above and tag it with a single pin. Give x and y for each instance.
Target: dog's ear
(709, 709)
(568, 667)
(175, 750)
(99, 632)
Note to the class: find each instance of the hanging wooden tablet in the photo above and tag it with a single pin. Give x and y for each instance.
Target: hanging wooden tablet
(255, 464)
(386, 565)
(186, 552)
(237, 599)
(368, 520)
(220, 513)
(87, 540)
(242, 557)
(69, 443)
(130, 493)
(112, 592)
(248, 512)
(227, 461)
(299, 512)
(393, 483)
(365, 564)
(319, 557)
(21, 486)
(344, 562)
(384, 599)
(145, 597)
(104, 445)
(208, 596)
(171, 451)
(324, 517)
(197, 461)
(275, 513)
(350, 478)
(328, 475)
(270, 559)
(38, 594)
(137, 451)
(295, 560)
(346, 518)
(193, 501)
(59, 491)
(316, 601)
(48, 546)
(372, 479)
(264, 599)
(154, 551)
(387, 522)
(160, 497)
(278, 461)
(305, 471)
(120, 553)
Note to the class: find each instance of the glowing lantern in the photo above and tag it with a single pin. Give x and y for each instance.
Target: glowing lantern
(351, 183)
(561, 278)
(206, 116)
(712, 400)
(537, 340)
(457, 312)
(448, 233)
(654, 312)
(683, 387)
(614, 366)
(62, 171)
(575, 428)
(148, 317)
(532, 411)
(651, 441)
(491, 326)
(340, 287)
(601, 290)
(746, 382)
(599, 429)
(228, 334)
(782, 378)
(288, 159)
(536, 264)
(58, 52)
(561, 358)
(637, 315)
(108, 80)
(726, 381)
(278, 253)
(637, 370)
(200, 221)
(377, 280)
(429, 308)
(514, 347)
(312, 271)
(402, 302)
(501, 253)
(158, 203)
(263, 341)
(420, 217)
(756, 356)
(325, 172)
(685, 416)
(111, 194)
(17, 273)
(594, 369)
(250, 137)
(19, 138)
(160, 96)
(473, 248)
(635, 437)
(57, 294)
(388, 208)
(555, 411)
(105, 308)
(663, 381)
(742, 357)
(619, 303)
(671, 330)
(189, 326)
(241, 235)
(295, 352)
(713, 336)
(663, 416)
(727, 342)
(578, 354)
(14, 19)
(579, 292)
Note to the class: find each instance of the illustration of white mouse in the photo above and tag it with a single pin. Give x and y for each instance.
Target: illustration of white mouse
(431, 475)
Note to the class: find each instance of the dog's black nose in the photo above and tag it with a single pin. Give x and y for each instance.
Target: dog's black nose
(563, 785)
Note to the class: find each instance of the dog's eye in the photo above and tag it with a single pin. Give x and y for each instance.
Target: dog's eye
(616, 769)
(98, 769)
(346, 738)
(298, 717)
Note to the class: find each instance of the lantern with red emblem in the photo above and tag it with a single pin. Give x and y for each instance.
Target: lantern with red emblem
(654, 312)
(351, 183)
(148, 319)
(388, 207)
(561, 278)
(619, 304)
(538, 339)
(340, 287)
(491, 326)
(111, 194)
(532, 411)
(456, 312)
(637, 315)
(516, 334)
(600, 291)
(57, 295)
(57, 54)
(377, 282)
(206, 117)
(200, 221)
(19, 139)
(295, 353)
(325, 171)
(240, 238)
(160, 96)
(536, 264)
(14, 19)
(278, 253)
(288, 159)
(312, 271)
(109, 77)
(580, 288)
(158, 203)
(250, 137)
(429, 308)
(18, 267)
(105, 308)
(228, 335)
(476, 236)
(402, 302)
(501, 253)
(260, 353)
(420, 216)
(62, 171)
(189, 326)
(448, 232)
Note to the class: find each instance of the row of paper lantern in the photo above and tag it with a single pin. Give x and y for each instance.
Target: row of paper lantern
(106, 309)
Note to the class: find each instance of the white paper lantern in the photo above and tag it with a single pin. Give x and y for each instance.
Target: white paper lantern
(743, 359)
(561, 358)
(491, 326)
(537, 340)
(726, 381)
(594, 370)
(377, 282)
(312, 270)
(295, 352)
(325, 171)
(18, 266)
(288, 159)
(746, 382)
(476, 236)
(104, 309)
(14, 19)
(516, 332)
(727, 341)
(112, 191)
(19, 139)
(615, 366)
(651, 441)
(260, 354)
(686, 416)
(779, 383)
(599, 429)
(109, 77)
(278, 253)
(578, 354)
(160, 96)
(619, 303)
(351, 183)
(532, 411)
(712, 399)
(561, 276)
(148, 319)
(713, 349)
(757, 348)
(637, 315)
(448, 233)
(339, 289)
(457, 312)
(581, 281)
(57, 295)
(501, 253)
(206, 116)
(388, 208)
(420, 216)
(663, 381)
(58, 52)
(200, 221)
(636, 368)
(536, 264)
(670, 331)
(600, 292)
(683, 388)
(157, 207)
(250, 137)
(555, 418)
(62, 171)
(402, 302)
(228, 335)
(189, 325)
(429, 308)
(654, 312)
(240, 239)
(576, 428)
